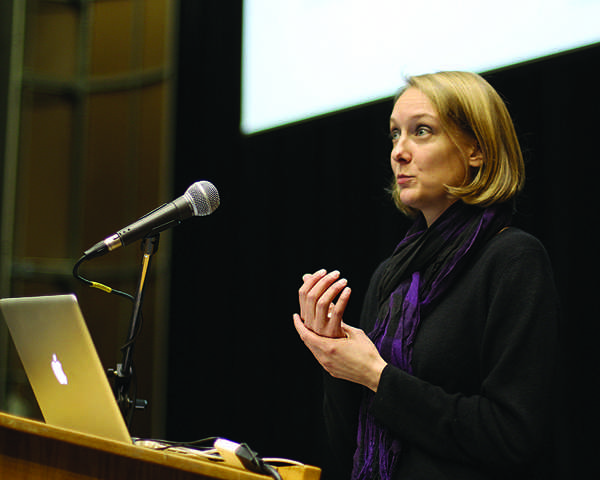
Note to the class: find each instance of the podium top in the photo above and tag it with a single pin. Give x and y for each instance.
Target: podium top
(31, 449)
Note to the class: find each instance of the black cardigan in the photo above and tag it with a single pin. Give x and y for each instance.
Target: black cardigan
(478, 405)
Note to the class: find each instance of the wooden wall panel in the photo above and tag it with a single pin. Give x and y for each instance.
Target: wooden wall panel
(94, 156)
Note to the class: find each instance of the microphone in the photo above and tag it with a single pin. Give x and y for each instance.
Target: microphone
(200, 199)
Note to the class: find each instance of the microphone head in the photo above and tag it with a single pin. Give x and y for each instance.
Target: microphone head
(203, 197)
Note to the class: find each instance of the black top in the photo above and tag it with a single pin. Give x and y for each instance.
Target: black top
(479, 403)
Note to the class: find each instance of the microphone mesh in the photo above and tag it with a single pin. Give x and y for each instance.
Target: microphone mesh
(204, 198)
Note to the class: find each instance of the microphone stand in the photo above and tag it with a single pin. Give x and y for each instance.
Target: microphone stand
(124, 371)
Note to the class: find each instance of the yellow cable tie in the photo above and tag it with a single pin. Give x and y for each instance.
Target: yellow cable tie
(102, 287)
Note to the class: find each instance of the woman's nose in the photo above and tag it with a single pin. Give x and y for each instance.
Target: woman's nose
(400, 152)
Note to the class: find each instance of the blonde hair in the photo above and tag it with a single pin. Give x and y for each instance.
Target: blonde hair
(469, 107)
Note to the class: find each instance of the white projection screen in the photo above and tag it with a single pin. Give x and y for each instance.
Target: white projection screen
(304, 58)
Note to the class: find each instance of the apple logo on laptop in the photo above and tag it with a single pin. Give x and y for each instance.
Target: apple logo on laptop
(59, 373)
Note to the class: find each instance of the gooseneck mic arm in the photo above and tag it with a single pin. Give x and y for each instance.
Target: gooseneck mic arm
(124, 372)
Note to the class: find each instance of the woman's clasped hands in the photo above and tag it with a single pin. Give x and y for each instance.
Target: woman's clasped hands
(343, 351)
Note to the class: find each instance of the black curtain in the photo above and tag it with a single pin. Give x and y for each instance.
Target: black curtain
(312, 195)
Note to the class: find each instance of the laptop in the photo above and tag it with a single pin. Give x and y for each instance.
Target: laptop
(62, 365)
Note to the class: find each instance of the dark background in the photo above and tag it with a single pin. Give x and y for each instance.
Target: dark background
(312, 195)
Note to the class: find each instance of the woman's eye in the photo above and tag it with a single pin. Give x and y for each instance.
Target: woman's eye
(394, 135)
(423, 130)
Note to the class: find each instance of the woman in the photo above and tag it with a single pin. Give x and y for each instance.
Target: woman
(450, 373)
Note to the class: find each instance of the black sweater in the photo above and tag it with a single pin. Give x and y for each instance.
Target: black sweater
(478, 404)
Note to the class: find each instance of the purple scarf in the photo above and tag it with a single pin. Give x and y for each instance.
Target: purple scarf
(421, 269)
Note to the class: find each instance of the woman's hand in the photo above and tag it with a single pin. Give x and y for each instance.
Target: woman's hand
(317, 308)
(354, 357)
(345, 352)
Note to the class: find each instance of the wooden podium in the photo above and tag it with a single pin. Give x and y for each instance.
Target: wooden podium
(33, 450)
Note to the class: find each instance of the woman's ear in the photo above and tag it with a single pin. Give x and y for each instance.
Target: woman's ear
(475, 156)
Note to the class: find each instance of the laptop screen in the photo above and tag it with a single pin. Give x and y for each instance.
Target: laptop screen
(62, 365)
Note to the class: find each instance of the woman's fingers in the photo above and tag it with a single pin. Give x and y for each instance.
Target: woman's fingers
(317, 307)
(310, 280)
(311, 291)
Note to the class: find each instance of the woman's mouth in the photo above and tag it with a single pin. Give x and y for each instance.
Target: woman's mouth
(403, 179)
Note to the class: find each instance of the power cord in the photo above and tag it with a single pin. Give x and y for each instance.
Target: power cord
(218, 449)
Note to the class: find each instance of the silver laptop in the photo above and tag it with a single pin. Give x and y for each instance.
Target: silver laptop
(62, 365)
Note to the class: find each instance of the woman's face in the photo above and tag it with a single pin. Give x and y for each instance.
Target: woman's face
(424, 158)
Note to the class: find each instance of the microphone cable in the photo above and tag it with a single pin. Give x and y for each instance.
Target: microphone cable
(113, 373)
(113, 291)
(99, 286)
